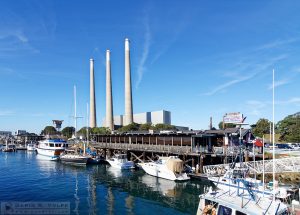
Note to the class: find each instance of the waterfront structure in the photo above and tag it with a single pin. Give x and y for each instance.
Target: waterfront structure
(128, 117)
(93, 122)
(109, 99)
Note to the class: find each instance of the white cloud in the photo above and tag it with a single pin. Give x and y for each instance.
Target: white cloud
(141, 66)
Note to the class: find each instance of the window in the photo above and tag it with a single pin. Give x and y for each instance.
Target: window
(239, 213)
(224, 210)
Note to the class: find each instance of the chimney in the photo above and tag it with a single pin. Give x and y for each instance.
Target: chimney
(109, 101)
(128, 93)
(93, 122)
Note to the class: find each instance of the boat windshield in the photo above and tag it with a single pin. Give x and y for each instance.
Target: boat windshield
(223, 210)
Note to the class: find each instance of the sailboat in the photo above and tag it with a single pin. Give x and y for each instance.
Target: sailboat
(71, 156)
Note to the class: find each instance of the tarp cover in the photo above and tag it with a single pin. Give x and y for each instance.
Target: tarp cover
(175, 165)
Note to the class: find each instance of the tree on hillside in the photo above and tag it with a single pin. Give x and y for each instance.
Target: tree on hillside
(289, 128)
(100, 130)
(146, 127)
(49, 130)
(82, 131)
(131, 127)
(226, 125)
(261, 127)
(68, 131)
(161, 126)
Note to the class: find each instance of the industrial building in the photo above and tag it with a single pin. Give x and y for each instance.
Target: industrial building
(153, 117)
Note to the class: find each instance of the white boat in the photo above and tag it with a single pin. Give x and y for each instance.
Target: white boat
(170, 168)
(52, 148)
(31, 147)
(9, 148)
(120, 161)
(233, 203)
(69, 156)
(235, 179)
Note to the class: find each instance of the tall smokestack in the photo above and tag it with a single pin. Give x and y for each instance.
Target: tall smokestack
(128, 93)
(93, 122)
(109, 102)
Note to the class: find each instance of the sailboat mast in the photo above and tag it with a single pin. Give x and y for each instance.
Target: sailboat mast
(273, 136)
(87, 124)
(75, 111)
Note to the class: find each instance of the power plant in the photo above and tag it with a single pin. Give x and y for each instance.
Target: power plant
(110, 120)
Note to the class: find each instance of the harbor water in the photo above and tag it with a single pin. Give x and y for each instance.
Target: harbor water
(95, 189)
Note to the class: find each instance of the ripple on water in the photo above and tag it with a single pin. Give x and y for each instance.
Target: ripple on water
(98, 189)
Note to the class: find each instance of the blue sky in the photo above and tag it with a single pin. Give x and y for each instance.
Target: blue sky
(195, 58)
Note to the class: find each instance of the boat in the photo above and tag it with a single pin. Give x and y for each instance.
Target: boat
(120, 161)
(31, 147)
(170, 168)
(71, 157)
(235, 179)
(9, 147)
(234, 203)
(51, 148)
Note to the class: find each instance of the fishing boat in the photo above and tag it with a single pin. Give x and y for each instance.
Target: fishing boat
(71, 157)
(51, 148)
(170, 168)
(120, 161)
(235, 203)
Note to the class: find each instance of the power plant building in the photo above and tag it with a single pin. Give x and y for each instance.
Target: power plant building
(154, 117)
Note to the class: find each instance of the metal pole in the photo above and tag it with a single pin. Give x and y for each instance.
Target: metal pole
(273, 137)
(263, 165)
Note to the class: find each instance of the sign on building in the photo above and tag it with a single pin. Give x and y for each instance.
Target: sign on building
(236, 117)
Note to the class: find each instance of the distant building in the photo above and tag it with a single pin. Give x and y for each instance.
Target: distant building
(5, 133)
(154, 117)
(21, 132)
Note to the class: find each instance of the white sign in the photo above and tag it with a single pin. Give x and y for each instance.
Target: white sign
(233, 118)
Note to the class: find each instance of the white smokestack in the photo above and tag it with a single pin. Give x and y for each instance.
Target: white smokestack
(93, 122)
(128, 94)
(109, 100)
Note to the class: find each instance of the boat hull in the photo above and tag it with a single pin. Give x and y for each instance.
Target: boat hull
(78, 161)
(126, 165)
(52, 153)
(161, 171)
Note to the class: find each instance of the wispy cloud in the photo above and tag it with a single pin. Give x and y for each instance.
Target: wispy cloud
(279, 83)
(291, 101)
(141, 66)
(277, 43)
(255, 107)
(228, 84)
(6, 113)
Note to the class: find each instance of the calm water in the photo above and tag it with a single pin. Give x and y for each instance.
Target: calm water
(96, 189)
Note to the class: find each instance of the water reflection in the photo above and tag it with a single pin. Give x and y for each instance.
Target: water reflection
(165, 187)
